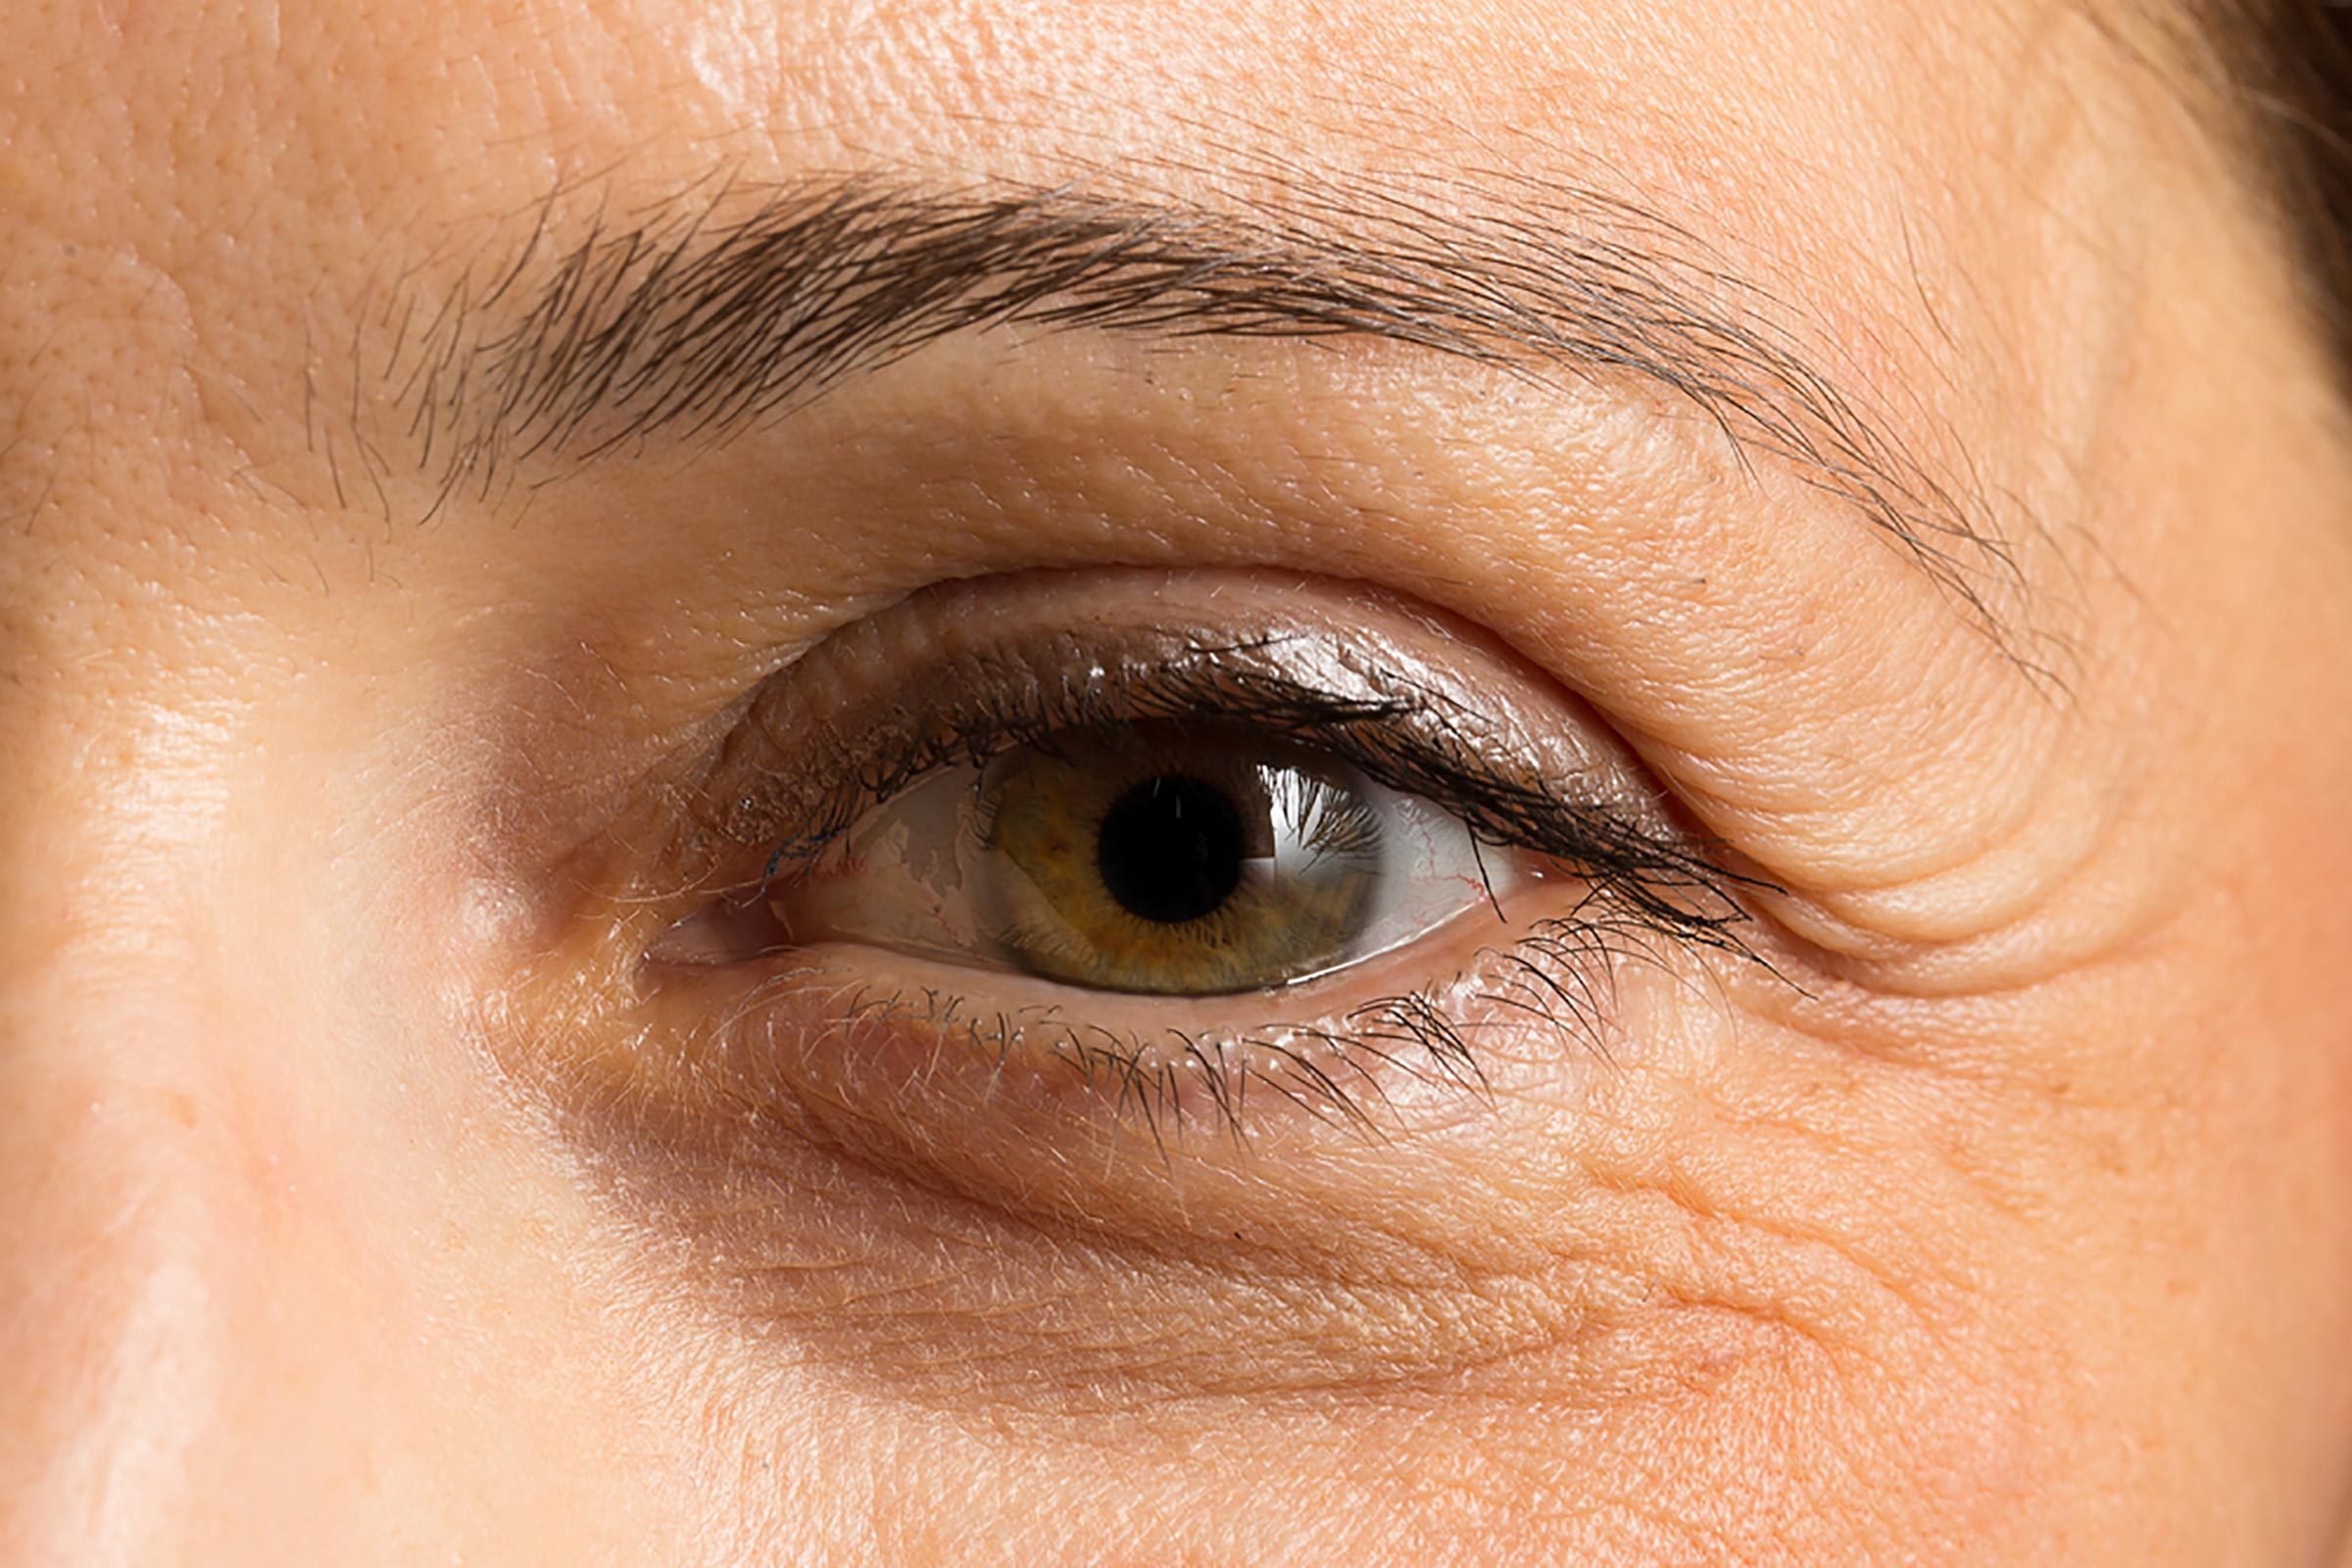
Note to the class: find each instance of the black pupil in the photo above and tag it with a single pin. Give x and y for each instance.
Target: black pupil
(1171, 848)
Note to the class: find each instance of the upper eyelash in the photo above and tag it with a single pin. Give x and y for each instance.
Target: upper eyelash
(1673, 885)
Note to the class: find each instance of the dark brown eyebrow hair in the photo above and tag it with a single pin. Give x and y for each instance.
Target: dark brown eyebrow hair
(714, 312)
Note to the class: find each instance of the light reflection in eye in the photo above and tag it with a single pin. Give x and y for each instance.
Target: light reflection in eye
(1167, 858)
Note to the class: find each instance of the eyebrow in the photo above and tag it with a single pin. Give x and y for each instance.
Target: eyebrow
(707, 315)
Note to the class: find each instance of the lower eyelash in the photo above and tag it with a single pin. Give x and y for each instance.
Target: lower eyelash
(1560, 975)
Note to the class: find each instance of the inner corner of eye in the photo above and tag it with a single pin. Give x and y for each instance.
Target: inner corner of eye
(722, 930)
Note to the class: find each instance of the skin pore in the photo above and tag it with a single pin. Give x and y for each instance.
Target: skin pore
(1879, 442)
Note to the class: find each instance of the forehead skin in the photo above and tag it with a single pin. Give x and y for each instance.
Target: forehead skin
(297, 1276)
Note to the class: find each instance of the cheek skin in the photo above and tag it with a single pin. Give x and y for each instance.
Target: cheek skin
(1759, 1284)
(225, 1295)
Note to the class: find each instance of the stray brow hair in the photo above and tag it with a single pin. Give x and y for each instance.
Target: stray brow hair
(716, 311)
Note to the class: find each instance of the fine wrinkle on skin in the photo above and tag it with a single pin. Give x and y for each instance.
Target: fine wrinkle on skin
(1202, 1322)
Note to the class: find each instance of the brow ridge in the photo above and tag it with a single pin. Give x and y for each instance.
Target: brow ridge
(708, 314)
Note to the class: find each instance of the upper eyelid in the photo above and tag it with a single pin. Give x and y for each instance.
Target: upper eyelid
(798, 775)
(958, 711)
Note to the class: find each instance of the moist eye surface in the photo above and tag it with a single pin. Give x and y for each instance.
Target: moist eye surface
(1171, 859)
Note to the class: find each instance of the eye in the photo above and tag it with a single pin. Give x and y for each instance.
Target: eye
(1166, 836)
(1175, 858)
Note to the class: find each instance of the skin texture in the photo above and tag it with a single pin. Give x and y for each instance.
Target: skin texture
(361, 1210)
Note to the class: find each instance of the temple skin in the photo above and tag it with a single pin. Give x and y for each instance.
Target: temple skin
(366, 1203)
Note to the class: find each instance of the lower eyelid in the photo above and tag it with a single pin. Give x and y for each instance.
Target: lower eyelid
(864, 1225)
(911, 1041)
(845, 1157)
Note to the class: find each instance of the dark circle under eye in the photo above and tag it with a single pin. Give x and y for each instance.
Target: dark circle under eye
(1171, 848)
